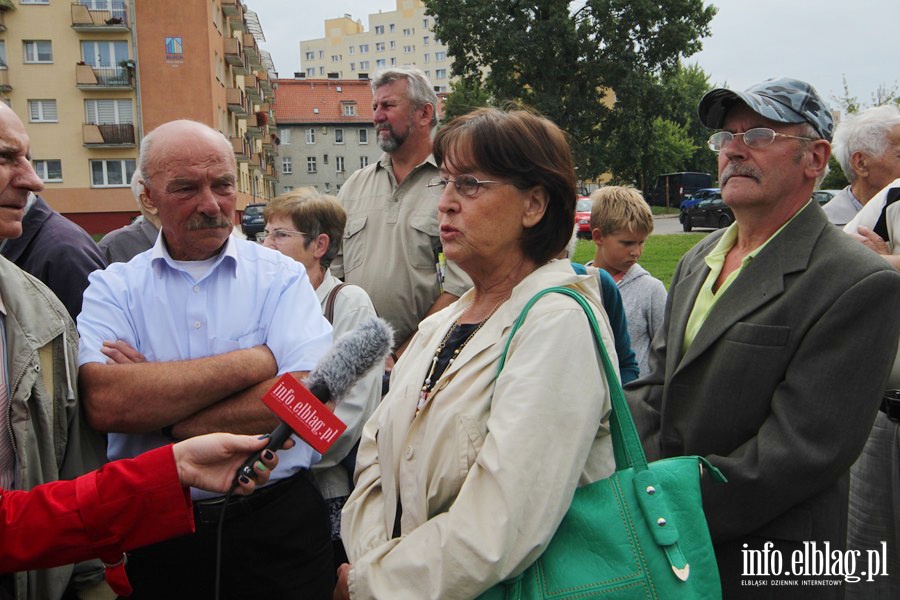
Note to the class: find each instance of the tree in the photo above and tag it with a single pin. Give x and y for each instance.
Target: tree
(595, 71)
(465, 96)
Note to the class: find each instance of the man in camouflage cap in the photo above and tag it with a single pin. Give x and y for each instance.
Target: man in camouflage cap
(757, 364)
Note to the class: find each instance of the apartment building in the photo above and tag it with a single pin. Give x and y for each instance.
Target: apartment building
(403, 36)
(326, 132)
(90, 77)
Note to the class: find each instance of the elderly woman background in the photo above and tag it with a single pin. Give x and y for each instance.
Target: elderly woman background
(461, 482)
(309, 227)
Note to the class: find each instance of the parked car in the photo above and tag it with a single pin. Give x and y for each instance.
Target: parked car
(671, 188)
(252, 221)
(695, 199)
(708, 213)
(583, 216)
(823, 197)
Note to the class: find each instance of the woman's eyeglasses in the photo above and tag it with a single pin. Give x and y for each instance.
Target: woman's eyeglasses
(279, 235)
(466, 185)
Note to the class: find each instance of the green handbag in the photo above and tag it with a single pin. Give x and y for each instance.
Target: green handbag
(641, 533)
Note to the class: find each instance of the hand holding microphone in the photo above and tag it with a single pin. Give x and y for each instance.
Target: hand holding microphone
(301, 409)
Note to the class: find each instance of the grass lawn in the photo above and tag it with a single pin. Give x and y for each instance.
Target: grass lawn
(661, 253)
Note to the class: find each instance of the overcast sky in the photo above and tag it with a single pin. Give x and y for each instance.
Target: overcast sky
(818, 41)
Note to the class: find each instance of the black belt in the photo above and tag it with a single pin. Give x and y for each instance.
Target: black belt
(890, 405)
(208, 512)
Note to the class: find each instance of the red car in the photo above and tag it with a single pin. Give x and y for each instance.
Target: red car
(583, 216)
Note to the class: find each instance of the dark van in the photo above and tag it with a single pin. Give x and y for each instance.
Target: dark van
(672, 188)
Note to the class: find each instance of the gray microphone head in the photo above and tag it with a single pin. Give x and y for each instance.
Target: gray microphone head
(349, 358)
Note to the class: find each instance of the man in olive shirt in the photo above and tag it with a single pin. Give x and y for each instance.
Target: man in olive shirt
(391, 242)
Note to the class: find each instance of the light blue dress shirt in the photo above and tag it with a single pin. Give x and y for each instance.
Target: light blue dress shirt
(250, 295)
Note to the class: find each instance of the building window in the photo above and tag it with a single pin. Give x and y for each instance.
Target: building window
(363, 48)
(311, 136)
(352, 49)
(311, 72)
(380, 64)
(349, 109)
(284, 134)
(104, 54)
(427, 57)
(286, 167)
(338, 136)
(440, 73)
(408, 31)
(321, 54)
(310, 164)
(379, 47)
(327, 187)
(38, 51)
(364, 64)
(310, 56)
(409, 49)
(391, 27)
(425, 40)
(42, 111)
(49, 170)
(111, 173)
(363, 136)
(287, 188)
(321, 70)
(108, 112)
(339, 164)
(379, 30)
(34, 1)
(393, 45)
(324, 159)
(352, 66)
(440, 56)
(336, 58)
(363, 162)
(393, 61)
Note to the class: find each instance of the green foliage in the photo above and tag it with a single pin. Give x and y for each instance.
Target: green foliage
(835, 180)
(466, 95)
(567, 65)
(883, 94)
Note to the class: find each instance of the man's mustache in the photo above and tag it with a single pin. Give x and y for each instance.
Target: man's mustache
(198, 222)
(740, 171)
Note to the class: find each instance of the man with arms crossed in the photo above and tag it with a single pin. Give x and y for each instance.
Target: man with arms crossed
(391, 242)
(184, 340)
(757, 364)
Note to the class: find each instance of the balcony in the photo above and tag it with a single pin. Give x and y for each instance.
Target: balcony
(251, 88)
(241, 149)
(254, 127)
(265, 83)
(234, 54)
(236, 101)
(113, 18)
(251, 51)
(4, 79)
(2, 21)
(103, 78)
(269, 173)
(232, 8)
(119, 135)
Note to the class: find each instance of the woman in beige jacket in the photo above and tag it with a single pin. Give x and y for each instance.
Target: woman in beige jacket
(462, 475)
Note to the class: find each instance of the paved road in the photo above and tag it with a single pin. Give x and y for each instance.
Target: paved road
(670, 224)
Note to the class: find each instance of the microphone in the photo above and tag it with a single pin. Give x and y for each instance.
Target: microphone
(300, 408)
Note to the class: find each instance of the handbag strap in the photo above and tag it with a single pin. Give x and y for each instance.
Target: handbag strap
(329, 302)
(627, 447)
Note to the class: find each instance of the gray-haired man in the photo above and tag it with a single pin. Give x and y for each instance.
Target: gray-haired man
(391, 242)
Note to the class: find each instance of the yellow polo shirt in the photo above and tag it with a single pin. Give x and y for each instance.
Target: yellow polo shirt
(715, 260)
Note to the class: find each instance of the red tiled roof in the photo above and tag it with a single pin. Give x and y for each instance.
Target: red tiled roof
(297, 99)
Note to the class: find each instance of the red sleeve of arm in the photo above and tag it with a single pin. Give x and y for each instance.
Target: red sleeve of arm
(124, 505)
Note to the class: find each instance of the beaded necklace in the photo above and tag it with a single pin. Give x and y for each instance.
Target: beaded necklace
(433, 376)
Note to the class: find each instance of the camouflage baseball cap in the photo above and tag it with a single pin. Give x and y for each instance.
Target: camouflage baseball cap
(784, 100)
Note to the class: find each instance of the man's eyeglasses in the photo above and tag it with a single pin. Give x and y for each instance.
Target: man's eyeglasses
(465, 185)
(279, 235)
(759, 137)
